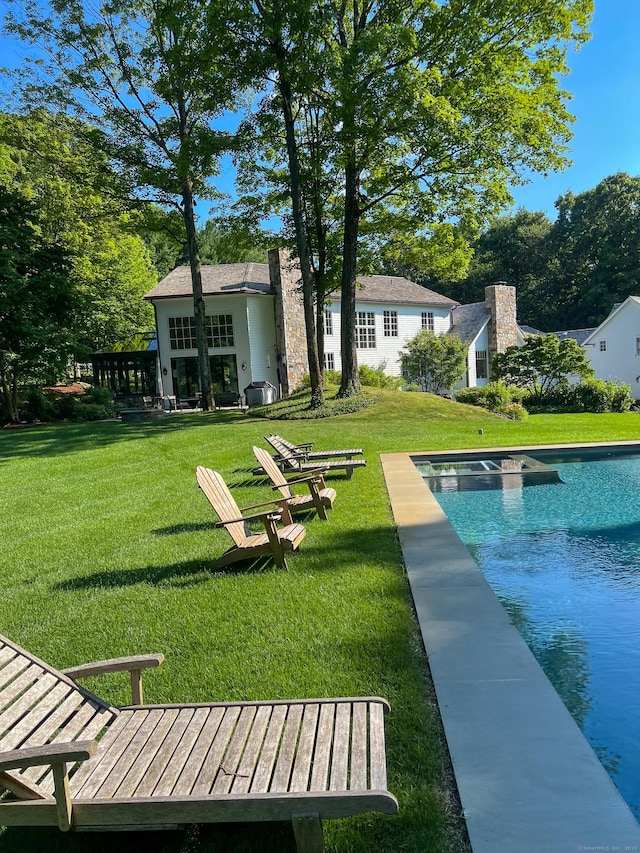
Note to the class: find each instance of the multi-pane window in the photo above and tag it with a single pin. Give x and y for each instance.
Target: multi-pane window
(637, 346)
(390, 324)
(220, 330)
(329, 361)
(603, 346)
(328, 322)
(481, 364)
(427, 321)
(365, 330)
(182, 333)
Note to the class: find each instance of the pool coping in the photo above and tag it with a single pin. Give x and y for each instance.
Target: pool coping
(528, 779)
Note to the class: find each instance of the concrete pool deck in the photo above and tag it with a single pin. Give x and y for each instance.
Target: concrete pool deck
(528, 780)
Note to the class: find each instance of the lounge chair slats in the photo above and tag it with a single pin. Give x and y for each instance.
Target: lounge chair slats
(301, 462)
(167, 765)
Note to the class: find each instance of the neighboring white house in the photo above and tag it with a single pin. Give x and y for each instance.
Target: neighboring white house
(255, 326)
(613, 348)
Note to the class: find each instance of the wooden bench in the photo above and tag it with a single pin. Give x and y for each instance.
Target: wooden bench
(71, 760)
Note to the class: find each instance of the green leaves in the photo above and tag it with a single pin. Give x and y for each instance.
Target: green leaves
(437, 362)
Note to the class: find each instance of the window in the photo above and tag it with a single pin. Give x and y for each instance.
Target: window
(603, 346)
(329, 361)
(427, 321)
(182, 333)
(220, 330)
(186, 383)
(328, 322)
(637, 346)
(390, 324)
(481, 364)
(365, 330)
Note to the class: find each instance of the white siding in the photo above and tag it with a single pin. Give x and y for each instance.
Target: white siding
(619, 360)
(386, 353)
(261, 324)
(183, 307)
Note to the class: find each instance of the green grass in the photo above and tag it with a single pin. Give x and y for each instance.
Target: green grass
(106, 541)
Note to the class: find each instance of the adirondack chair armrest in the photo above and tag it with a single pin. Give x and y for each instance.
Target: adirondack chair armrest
(264, 503)
(274, 514)
(132, 665)
(48, 753)
(310, 478)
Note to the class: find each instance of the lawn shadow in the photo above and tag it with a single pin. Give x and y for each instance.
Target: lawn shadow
(63, 438)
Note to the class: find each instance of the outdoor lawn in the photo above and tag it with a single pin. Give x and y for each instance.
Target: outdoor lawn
(106, 540)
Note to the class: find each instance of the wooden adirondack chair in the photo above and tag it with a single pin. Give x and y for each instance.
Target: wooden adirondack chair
(248, 546)
(319, 497)
(289, 460)
(71, 760)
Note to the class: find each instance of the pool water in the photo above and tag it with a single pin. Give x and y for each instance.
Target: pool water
(564, 559)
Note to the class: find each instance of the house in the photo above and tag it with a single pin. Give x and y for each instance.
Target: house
(256, 332)
(613, 348)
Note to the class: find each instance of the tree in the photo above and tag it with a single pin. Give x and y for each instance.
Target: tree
(51, 160)
(153, 75)
(435, 361)
(232, 240)
(596, 241)
(517, 249)
(541, 364)
(36, 296)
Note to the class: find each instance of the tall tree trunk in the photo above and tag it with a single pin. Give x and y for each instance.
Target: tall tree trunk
(350, 381)
(199, 313)
(308, 289)
(10, 395)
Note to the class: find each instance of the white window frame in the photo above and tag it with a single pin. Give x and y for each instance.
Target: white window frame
(428, 321)
(328, 322)
(329, 361)
(365, 330)
(390, 324)
(603, 346)
(481, 358)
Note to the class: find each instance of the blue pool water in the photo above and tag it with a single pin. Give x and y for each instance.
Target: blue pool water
(564, 559)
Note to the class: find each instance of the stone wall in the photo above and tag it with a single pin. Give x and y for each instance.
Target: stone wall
(500, 302)
(291, 341)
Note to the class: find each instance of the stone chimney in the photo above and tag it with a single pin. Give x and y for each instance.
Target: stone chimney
(291, 339)
(500, 304)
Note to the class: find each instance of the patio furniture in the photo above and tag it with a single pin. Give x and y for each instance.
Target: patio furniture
(289, 460)
(319, 496)
(247, 545)
(72, 760)
(307, 451)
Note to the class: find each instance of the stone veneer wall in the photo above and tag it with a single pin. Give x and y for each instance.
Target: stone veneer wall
(500, 301)
(291, 340)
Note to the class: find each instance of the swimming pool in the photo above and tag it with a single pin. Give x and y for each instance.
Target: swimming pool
(564, 559)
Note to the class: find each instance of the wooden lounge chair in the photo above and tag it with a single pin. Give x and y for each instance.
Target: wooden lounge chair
(72, 760)
(319, 496)
(306, 450)
(301, 464)
(247, 545)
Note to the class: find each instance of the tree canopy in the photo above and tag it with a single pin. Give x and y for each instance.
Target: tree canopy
(436, 362)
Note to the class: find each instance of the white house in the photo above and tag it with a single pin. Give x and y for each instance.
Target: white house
(255, 326)
(613, 348)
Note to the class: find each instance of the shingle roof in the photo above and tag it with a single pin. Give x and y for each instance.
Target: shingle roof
(468, 321)
(580, 335)
(218, 278)
(396, 289)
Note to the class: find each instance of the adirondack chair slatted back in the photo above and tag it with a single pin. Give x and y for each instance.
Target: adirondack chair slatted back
(273, 472)
(40, 705)
(283, 452)
(221, 499)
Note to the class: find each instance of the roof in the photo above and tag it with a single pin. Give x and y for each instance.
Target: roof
(579, 335)
(467, 321)
(248, 278)
(396, 289)
(529, 330)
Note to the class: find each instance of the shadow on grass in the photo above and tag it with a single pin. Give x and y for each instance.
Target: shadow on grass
(66, 438)
(202, 838)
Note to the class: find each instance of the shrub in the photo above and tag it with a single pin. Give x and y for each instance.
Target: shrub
(377, 378)
(590, 395)
(37, 406)
(513, 411)
(493, 396)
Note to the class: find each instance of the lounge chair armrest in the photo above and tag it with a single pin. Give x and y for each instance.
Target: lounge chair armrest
(114, 665)
(258, 506)
(309, 478)
(49, 753)
(132, 665)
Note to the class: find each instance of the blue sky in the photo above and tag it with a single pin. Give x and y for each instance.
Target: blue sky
(605, 82)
